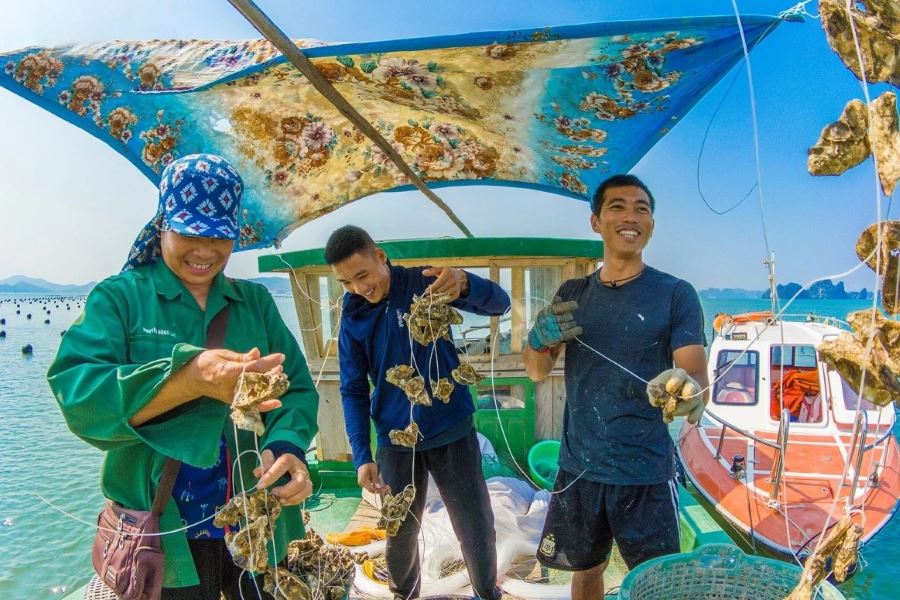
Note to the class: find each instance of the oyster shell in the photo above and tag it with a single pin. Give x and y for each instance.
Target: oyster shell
(466, 375)
(405, 437)
(888, 264)
(442, 388)
(248, 546)
(394, 509)
(251, 390)
(847, 355)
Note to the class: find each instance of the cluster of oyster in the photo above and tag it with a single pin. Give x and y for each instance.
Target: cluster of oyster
(442, 388)
(394, 509)
(258, 512)
(883, 260)
(466, 375)
(430, 317)
(860, 132)
(847, 354)
(668, 395)
(857, 134)
(405, 437)
(876, 25)
(841, 547)
(429, 320)
(405, 377)
(315, 570)
(251, 390)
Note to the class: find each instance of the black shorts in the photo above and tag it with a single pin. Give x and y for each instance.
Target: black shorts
(583, 521)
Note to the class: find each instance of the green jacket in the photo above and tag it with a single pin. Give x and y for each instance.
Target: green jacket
(137, 329)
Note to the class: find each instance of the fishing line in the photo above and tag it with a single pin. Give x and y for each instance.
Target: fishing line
(752, 96)
(494, 345)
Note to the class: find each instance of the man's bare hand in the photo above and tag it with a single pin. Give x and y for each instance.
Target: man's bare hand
(297, 489)
(368, 478)
(453, 282)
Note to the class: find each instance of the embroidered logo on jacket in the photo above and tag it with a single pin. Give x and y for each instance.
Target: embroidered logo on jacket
(156, 331)
(548, 545)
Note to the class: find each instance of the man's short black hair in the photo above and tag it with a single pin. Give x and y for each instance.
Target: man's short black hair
(346, 241)
(620, 180)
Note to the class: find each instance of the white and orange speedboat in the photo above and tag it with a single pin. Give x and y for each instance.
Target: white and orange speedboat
(784, 450)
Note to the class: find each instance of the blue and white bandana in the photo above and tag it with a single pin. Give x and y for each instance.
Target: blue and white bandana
(199, 195)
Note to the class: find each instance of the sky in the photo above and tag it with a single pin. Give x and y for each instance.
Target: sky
(70, 206)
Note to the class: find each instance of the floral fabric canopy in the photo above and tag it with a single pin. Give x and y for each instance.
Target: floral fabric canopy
(555, 109)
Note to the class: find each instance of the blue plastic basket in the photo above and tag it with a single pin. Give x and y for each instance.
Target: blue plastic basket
(716, 572)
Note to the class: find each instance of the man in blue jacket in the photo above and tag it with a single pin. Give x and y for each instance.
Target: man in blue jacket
(374, 338)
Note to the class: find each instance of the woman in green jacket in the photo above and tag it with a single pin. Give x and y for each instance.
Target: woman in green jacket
(132, 377)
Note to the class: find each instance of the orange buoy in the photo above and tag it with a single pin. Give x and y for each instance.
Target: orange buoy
(723, 320)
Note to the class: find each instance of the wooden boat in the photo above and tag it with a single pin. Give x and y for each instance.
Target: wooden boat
(786, 447)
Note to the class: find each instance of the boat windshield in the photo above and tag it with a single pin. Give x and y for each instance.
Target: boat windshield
(795, 383)
(736, 377)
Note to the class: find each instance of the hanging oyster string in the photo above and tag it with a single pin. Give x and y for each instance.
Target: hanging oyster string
(429, 319)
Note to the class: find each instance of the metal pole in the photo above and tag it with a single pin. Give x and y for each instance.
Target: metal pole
(271, 32)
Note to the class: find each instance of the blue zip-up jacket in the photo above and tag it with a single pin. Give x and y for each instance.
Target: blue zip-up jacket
(374, 338)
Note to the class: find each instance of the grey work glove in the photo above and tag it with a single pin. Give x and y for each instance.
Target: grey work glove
(677, 394)
(553, 325)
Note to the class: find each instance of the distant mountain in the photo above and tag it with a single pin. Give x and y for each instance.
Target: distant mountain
(275, 285)
(20, 284)
(729, 294)
(821, 290)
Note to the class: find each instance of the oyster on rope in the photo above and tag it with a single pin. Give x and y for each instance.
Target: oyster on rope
(394, 509)
(466, 375)
(405, 437)
(251, 390)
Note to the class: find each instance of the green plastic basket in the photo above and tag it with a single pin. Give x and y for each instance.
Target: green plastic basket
(543, 463)
(716, 572)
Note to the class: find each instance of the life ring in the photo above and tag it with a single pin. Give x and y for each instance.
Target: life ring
(722, 320)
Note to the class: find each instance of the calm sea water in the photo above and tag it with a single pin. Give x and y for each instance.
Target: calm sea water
(44, 553)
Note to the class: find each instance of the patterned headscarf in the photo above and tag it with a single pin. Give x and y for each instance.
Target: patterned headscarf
(199, 195)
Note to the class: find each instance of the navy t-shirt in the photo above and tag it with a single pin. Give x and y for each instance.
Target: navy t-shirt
(610, 430)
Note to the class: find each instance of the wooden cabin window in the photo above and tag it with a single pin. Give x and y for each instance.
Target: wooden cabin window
(474, 335)
(330, 292)
(737, 378)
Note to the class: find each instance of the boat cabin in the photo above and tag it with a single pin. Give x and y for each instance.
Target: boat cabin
(761, 368)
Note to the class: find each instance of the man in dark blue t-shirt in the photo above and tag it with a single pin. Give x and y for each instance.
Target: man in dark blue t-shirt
(632, 323)
(374, 338)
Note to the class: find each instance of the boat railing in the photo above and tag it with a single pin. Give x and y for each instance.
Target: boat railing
(858, 449)
(777, 471)
(814, 318)
(779, 445)
(726, 426)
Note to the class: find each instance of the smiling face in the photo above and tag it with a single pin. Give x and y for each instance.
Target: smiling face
(195, 260)
(366, 274)
(625, 221)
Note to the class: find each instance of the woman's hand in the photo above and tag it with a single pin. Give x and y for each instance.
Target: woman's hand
(297, 489)
(215, 373)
